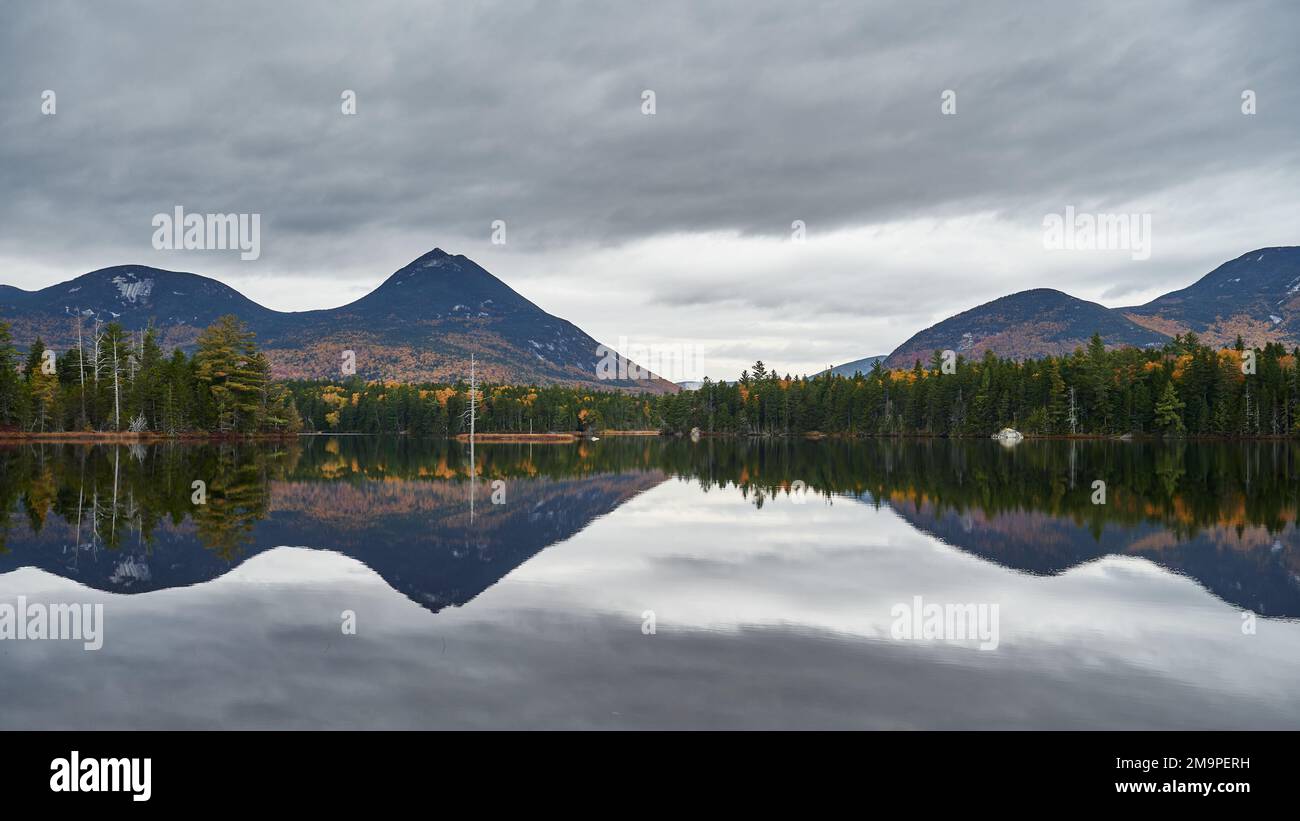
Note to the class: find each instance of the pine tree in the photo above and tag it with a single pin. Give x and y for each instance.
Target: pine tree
(44, 388)
(1168, 411)
(35, 357)
(1057, 401)
(224, 364)
(1098, 374)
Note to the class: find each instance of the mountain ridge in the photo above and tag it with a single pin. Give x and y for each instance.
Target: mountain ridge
(851, 369)
(422, 323)
(1256, 296)
(1023, 325)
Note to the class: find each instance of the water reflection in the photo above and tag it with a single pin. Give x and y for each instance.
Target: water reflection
(770, 613)
(125, 519)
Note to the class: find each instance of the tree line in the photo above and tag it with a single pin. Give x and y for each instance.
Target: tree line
(1182, 388)
(114, 380)
(117, 380)
(439, 409)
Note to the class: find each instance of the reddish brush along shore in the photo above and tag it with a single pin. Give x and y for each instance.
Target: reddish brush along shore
(130, 436)
(520, 437)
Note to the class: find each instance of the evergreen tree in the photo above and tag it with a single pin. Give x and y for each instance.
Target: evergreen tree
(225, 364)
(1057, 400)
(1169, 408)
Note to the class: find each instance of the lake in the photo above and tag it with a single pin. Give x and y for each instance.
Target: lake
(365, 582)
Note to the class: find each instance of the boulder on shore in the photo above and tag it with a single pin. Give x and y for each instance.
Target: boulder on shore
(1008, 436)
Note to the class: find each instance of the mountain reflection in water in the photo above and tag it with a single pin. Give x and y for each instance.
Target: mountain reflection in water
(123, 519)
(521, 599)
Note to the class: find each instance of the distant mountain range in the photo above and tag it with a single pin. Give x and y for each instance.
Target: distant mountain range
(1024, 325)
(421, 324)
(1256, 295)
(424, 321)
(850, 369)
(696, 384)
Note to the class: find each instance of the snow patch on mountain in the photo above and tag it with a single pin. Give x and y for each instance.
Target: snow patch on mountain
(133, 290)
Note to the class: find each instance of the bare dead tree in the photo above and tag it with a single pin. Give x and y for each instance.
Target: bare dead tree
(117, 390)
(81, 366)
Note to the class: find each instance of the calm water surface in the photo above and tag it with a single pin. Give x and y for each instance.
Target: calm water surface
(771, 608)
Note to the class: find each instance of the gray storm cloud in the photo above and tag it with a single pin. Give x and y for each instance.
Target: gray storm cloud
(531, 113)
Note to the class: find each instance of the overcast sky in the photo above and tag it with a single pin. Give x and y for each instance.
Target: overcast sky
(671, 227)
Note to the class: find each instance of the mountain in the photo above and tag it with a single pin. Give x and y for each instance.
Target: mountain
(696, 384)
(1025, 325)
(179, 304)
(422, 323)
(1256, 295)
(850, 369)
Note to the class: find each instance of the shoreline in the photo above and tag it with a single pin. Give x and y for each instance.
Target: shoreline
(153, 437)
(130, 437)
(560, 438)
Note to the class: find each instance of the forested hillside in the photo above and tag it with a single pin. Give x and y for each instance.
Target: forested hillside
(115, 380)
(120, 381)
(1184, 387)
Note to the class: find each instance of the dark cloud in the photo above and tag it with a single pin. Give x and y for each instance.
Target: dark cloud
(468, 112)
(531, 112)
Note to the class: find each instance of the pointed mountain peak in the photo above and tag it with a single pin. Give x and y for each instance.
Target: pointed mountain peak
(437, 286)
(423, 323)
(437, 255)
(436, 261)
